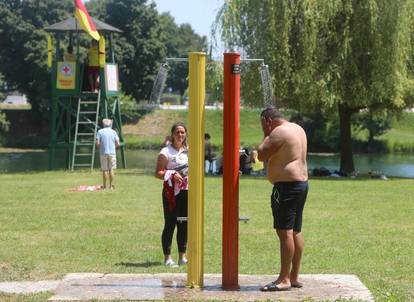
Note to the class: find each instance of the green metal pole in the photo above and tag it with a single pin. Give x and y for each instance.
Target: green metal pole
(117, 118)
(71, 39)
(104, 106)
(111, 47)
(58, 52)
(52, 145)
(77, 40)
(69, 128)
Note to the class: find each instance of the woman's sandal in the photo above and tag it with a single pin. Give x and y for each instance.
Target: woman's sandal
(272, 287)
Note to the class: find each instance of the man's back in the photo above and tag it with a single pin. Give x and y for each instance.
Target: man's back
(93, 56)
(288, 162)
(108, 139)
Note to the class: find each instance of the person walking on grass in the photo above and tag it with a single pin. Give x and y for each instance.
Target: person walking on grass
(284, 148)
(172, 167)
(107, 141)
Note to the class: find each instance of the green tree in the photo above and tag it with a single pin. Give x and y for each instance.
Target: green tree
(214, 81)
(4, 127)
(139, 49)
(376, 123)
(4, 124)
(329, 55)
(179, 41)
(23, 46)
(2, 87)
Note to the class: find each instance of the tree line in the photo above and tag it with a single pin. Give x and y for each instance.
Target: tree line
(332, 58)
(147, 39)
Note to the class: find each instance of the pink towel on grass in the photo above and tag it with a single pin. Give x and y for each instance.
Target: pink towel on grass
(86, 188)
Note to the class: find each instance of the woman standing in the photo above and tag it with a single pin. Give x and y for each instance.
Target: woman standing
(172, 167)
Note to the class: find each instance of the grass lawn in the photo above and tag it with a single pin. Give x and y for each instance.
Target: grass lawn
(363, 227)
(401, 137)
(149, 134)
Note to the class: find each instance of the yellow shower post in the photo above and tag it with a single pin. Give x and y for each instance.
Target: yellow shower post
(197, 92)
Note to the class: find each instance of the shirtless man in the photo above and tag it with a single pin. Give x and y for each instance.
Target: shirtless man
(284, 149)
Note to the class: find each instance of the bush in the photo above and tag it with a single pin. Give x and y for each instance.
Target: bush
(4, 127)
(129, 109)
(375, 124)
(172, 99)
(374, 146)
(399, 146)
(34, 141)
(322, 133)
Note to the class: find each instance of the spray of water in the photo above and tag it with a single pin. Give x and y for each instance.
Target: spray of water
(266, 86)
(159, 84)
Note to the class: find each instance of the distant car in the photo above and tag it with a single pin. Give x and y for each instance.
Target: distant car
(13, 99)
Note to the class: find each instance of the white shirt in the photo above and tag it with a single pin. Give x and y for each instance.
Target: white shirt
(175, 157)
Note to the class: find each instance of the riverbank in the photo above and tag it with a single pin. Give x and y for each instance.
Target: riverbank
(19, 150)
(149, 132)
(151, 129)
(48, 231)
(391, 165)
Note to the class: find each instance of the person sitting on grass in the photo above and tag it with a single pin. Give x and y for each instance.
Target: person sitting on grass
(245, 161)
(209, 156)
(107, 141)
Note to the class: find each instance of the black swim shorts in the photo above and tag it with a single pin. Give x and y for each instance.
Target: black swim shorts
(287, 201)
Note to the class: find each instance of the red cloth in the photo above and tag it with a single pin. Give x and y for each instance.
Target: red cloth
(92, 70)
(85, 21)
(169, 194)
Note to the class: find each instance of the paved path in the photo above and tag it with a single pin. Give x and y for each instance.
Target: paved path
(88, 286)
(28, 287)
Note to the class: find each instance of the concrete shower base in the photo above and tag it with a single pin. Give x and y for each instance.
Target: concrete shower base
(87, 286)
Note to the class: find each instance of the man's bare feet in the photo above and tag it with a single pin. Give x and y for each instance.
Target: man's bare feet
(296, 284)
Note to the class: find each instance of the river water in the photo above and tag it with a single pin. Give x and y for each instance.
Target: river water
(398, 165)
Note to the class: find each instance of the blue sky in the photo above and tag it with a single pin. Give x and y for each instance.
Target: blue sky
(199, 13)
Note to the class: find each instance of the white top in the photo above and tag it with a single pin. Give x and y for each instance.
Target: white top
(175, 157)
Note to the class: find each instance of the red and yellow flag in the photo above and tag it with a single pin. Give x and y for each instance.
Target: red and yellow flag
(85, 20)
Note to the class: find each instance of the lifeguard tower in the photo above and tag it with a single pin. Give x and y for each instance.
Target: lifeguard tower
(77, 112)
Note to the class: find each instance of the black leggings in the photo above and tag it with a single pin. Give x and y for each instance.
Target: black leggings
(170, 221)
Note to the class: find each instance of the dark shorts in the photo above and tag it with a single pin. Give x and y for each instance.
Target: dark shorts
(287, 201)
(93, 70)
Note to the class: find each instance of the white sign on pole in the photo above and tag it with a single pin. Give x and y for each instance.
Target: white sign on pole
(111, 75)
